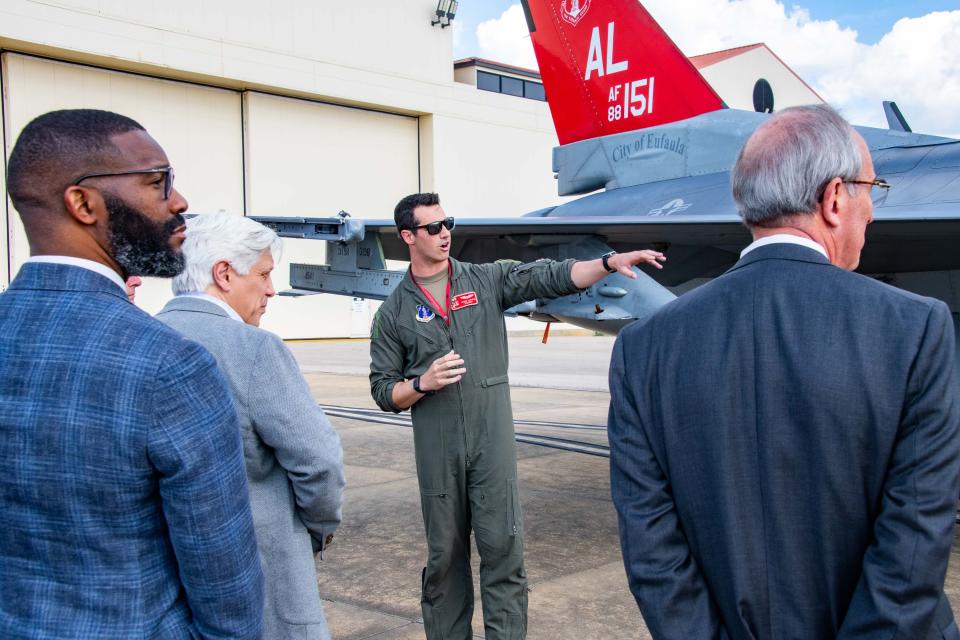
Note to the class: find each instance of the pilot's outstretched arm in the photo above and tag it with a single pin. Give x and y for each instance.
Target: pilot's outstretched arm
(552, 279)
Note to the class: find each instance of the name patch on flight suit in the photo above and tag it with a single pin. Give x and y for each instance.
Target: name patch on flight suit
(467, 299)
(424, 313)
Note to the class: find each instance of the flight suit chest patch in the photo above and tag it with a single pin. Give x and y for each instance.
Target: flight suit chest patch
(467, 299)
(424, 313)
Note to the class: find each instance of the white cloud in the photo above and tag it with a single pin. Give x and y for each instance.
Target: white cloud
(506, 39)
(917, 63)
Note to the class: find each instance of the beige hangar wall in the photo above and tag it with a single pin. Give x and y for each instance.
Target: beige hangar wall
(375, 52)
(199, 128)
(485, 169)
(489, 170)
(488, 154)
(311, 159)
(303, 158)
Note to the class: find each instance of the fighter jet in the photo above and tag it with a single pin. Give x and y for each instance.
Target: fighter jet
(649, 145)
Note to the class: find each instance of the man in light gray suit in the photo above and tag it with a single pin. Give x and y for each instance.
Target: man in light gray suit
(785, 440)
(293, 456)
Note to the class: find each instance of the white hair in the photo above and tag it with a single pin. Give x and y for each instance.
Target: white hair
(784, 167)
(221, 236)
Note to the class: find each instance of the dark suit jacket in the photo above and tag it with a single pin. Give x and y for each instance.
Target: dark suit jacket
(785, 456)
(123, 497)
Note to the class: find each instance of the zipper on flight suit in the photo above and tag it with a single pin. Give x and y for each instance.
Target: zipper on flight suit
(463, 422)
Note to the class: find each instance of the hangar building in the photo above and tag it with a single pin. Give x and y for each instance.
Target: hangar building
(304, 108)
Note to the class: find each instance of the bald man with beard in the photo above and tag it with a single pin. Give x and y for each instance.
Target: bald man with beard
(123, 497)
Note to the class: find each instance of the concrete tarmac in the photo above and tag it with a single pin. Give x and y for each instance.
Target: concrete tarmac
(565, 362)
(370, 577)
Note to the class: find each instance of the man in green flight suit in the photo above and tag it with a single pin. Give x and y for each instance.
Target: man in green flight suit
(439, 345)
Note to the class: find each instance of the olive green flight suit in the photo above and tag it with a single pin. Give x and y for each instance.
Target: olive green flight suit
(463, 438)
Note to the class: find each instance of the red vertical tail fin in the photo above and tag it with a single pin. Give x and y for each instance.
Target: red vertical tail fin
(608, 67)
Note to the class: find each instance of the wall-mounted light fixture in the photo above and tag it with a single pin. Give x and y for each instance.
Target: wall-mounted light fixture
(446, 10)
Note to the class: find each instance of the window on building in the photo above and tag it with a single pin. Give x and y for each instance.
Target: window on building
(487, 81)
(762, 97)
(534, 91)
(511, 86)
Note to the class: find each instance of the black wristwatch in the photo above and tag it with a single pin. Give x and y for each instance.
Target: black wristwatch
(606, 261)
(416, 386)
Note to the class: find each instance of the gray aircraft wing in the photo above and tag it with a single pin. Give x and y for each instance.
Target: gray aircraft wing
(674, 197)
(700, 240)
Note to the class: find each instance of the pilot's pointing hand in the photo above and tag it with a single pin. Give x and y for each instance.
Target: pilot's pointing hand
(445, 370)
(623, 262)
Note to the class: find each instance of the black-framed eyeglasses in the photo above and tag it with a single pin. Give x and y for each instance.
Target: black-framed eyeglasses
(167, 172)
(434, 227)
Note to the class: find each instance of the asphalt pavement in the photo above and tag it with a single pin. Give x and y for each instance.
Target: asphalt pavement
(369, 579)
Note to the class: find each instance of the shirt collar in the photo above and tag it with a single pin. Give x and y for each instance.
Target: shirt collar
(785, 238)
(217, 301)
(83, 263)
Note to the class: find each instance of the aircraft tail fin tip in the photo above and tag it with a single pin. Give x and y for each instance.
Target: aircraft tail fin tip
(608, 67)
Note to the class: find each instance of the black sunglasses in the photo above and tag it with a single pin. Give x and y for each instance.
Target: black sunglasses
(166, 171)
(434, 227)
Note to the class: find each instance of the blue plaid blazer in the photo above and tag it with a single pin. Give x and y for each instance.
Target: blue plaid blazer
(123, 497)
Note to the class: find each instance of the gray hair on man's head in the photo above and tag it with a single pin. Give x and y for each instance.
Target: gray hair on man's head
(788, 161)
(221, 236)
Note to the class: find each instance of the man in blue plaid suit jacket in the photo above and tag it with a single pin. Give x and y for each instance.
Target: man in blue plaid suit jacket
(123, 498)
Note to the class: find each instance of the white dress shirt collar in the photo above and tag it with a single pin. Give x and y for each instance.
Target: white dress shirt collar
(217, 301)
(785, 238)
(83, 263)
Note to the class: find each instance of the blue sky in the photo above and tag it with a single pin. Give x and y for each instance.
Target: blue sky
(871, 19)
(854, 53)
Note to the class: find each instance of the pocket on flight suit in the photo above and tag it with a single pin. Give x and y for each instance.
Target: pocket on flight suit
(497, 520)
(494, 432)
(423, 343)
(514, 512)
(493, 381)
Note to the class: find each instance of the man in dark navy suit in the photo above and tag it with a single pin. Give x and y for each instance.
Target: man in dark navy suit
(123, 497)
(785, 440)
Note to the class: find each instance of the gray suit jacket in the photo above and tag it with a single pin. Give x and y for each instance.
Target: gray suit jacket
(785, 456)
(292, 454)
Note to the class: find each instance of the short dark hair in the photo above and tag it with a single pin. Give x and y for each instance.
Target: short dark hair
(403, 213)
(51, 148)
